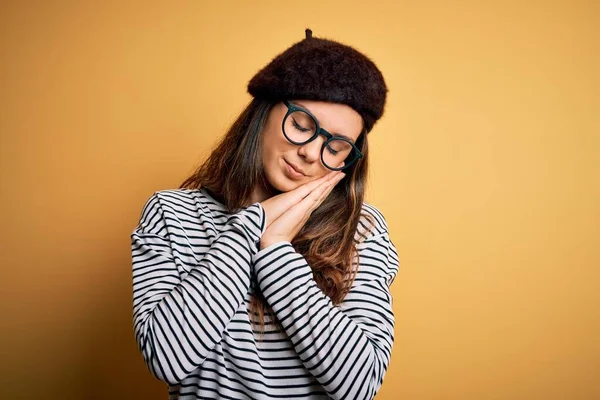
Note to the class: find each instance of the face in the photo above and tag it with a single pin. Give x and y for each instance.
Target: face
(287, 165)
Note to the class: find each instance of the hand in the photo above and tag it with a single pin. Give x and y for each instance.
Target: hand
(288, 212)
(277, 205)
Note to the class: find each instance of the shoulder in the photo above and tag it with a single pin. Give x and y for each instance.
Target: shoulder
(372, 223)
(378, 257)
(175, 207)
(184, 201)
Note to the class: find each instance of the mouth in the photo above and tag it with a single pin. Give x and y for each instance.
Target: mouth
(295, 170)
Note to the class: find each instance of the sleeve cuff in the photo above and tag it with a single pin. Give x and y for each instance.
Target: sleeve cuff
(274, 261)
(251, 220)
(259, 257)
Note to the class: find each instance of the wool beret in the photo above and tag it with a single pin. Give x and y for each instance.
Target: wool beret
(325, 70)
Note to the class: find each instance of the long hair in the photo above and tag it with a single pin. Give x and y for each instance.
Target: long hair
(326, 241)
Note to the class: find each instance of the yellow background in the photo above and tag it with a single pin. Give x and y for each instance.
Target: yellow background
(486, 166)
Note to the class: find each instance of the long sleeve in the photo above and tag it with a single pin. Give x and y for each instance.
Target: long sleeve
(182, 301)
(347, 347)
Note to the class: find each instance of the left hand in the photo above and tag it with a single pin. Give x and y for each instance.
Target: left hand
(288, 224)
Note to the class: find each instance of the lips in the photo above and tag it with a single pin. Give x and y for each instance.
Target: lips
(295, 168)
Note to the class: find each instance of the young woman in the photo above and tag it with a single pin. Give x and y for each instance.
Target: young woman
(265, 275)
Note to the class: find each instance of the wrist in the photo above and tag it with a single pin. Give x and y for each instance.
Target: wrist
(264, 243)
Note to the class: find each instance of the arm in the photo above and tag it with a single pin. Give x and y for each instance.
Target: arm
(346, 348)
(179, 317)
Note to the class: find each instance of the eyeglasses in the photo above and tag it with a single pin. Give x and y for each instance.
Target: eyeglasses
(301, 127)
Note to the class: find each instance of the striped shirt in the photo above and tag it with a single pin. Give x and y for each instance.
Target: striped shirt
(195, 266)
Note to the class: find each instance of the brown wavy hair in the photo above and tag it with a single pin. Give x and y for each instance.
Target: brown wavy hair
(327, 242)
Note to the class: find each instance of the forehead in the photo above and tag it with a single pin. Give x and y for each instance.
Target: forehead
(335, 118)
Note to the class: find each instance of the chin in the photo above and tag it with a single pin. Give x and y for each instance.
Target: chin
(283, 184)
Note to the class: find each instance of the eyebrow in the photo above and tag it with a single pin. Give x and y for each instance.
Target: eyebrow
(333, 133)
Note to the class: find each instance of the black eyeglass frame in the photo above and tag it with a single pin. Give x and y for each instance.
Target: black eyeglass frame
(320, 131)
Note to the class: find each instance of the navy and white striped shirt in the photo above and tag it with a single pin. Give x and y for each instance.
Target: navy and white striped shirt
(194, 268)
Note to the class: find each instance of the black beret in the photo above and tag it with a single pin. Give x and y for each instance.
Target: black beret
(325, 70)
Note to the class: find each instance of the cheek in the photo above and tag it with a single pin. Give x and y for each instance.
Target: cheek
(322, 172)
(271, 150)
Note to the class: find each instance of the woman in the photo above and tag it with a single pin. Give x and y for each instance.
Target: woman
(265, 275)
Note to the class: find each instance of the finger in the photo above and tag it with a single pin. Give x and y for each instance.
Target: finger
(304, 190)
(316, 197)
(294, 219)
(302, 211)
(277, 205)
(281, 203)
(331, 185)
(321, 194)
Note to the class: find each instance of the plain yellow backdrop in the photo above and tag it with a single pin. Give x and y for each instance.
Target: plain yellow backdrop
(486, 166)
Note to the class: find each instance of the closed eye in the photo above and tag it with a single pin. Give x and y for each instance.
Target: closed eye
(332, 151)
(297, 126)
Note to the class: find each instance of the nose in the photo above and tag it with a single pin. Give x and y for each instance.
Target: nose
(311, 151)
